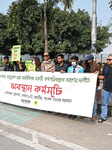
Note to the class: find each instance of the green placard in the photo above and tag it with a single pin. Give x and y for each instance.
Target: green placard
(16, 51)
(31, 68)
(27, 64)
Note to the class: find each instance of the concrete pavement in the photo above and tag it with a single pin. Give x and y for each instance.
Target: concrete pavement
(27, 129)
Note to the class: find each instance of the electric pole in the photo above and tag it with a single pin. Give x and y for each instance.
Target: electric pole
(94, 31)
(45, 27)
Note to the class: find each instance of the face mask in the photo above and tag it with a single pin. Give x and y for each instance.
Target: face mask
(73, 64)
(33, 62)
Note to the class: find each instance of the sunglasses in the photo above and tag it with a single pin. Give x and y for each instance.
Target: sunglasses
(109, 59)
(46, 55)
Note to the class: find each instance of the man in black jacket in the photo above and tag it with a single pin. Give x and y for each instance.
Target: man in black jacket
(8, 66)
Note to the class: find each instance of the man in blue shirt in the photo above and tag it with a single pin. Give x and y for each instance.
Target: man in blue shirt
(75, 68)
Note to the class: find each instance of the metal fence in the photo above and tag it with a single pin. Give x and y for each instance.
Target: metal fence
(99, 57)
(24, 57)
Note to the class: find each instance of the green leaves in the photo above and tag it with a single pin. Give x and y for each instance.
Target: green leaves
(110, 3)
(68, 31)
(6, 38)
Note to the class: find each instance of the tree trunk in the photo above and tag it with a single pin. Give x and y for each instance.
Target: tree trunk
(45, 28)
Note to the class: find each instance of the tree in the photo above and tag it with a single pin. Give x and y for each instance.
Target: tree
(68, 31)
(66, 3)
(7, 39)
(110, 3)
(72, 33)
(22, 22)
(103, 38)
(18, 16)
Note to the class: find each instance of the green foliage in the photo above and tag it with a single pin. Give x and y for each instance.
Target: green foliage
(72, 33)
(110, 3)
(103, 38)
(3, 63)
(100, 63)
(75, 31)
(22, 21)
(11, 62)
(7, 39)
(67, 3)
(68, 31)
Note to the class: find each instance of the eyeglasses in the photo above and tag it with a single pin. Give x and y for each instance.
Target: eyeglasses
(109, 59)
(46, 55)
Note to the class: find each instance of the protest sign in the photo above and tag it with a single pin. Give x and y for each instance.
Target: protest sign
(28, 63)
(16, 51)
(31, 68)
(65, 93)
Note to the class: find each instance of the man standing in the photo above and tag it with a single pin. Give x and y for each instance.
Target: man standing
(61, 66)
(91, 67)
(75, 68)
(48, 64)
(8, 66)
(107, 87)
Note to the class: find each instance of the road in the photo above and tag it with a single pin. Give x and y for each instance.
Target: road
(29, 129)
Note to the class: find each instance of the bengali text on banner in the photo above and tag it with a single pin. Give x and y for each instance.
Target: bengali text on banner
(65, 93)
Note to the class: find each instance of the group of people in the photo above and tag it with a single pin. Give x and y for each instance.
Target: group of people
(20, 66)
(88, 66)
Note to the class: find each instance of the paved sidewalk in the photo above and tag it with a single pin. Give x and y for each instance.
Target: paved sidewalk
(45, 131)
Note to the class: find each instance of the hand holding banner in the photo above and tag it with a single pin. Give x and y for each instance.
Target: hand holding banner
(64, 93)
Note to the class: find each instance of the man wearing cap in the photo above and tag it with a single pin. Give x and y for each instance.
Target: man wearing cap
(91, 67)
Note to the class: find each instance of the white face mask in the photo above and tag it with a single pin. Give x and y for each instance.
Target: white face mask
(33, 62)
(73, 64)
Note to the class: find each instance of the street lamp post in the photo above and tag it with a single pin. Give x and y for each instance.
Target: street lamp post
(94, 31)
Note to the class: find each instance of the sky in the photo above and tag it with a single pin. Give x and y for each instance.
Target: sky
(103, 11)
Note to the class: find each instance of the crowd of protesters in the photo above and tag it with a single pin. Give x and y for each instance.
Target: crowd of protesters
(88, 66)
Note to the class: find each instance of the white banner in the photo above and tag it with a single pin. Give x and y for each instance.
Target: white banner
(65, 93)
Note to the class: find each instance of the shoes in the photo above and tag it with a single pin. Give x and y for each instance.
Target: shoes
(93, 118)
(63, 114)
(82, 117)
(101, 120)
(49, 111)
(72, 116)
(57, 113)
